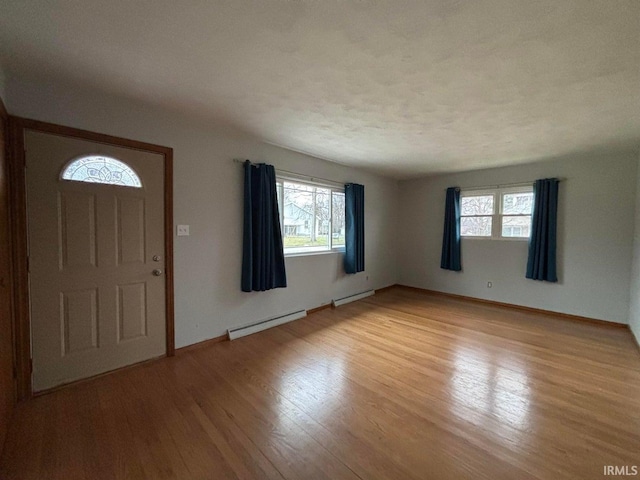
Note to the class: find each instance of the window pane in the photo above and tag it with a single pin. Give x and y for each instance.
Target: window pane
(477, 205)
(516, 227)
(98, 169)
(475, 226)
(517, 203)
(337, 223)
(305, 225)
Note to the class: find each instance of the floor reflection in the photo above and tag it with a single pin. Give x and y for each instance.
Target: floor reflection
(315, 387)
(490, 384)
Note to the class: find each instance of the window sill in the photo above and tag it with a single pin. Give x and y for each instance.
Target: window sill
(309, 254)
(504, 239)
(513, 239)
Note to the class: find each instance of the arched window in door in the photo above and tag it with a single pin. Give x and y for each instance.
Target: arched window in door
(101, 169)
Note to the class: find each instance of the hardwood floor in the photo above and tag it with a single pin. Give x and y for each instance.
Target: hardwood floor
(401, 385)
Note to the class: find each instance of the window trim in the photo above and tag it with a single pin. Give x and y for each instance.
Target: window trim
(497, 216)
(309, 182)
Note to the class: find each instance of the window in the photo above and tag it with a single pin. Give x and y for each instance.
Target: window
(99, 169)
(476, 214)
(311, 215)
(497, 213)
(516, 210)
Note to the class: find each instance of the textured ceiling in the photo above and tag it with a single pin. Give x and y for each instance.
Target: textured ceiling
(404, 88)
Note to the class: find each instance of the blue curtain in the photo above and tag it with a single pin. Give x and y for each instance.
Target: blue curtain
(541, 264)
(262, 252)
(450, 259)
(354, 219)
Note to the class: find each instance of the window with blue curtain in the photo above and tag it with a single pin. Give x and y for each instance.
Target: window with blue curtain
(541, 263)
(354, 223)
(451, 254)
(262, 252)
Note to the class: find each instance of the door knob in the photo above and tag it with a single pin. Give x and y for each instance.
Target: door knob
(157, 272)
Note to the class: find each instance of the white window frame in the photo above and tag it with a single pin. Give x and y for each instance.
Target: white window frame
(497, 215)
(333, 188)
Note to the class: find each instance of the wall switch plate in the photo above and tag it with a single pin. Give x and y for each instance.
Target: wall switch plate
(183, 230)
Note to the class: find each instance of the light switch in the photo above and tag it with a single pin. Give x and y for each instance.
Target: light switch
(183, 230)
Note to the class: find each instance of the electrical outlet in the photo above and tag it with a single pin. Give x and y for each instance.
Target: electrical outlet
(183, 230)
(489, 284)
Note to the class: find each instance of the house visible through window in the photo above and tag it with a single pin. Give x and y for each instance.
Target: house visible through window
(497, 213)
(311, 215)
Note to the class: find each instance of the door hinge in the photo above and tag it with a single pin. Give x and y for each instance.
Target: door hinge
(31, 365)
(28, 264)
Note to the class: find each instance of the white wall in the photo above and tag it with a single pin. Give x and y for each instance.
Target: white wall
(634, 304)
(595, 237)
(208, 196)
(596, 210)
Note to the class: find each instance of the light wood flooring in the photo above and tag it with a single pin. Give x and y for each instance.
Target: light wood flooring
(401, 385)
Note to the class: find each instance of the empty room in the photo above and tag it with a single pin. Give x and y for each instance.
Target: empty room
(342, 239)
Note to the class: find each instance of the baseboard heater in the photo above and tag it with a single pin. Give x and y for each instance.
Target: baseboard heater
(352, 298)
(264, 324)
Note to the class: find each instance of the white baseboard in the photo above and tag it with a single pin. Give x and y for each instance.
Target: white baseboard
(264, 324)
(352, 298)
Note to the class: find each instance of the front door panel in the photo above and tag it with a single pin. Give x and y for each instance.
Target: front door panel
(97, 283)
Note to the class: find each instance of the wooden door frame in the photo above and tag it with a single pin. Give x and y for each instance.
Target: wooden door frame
(4, 169)
(18, 197)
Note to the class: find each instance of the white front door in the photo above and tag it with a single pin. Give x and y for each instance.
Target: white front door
(96, 257)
